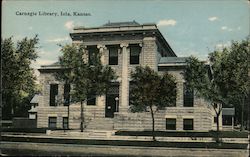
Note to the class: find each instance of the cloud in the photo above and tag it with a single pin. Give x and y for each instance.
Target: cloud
(213, 18)
(170, 22)
(30, 28)
(43, 52)
(37, 64)
(44, 61)
(225, 28)
(56, 40)
(220, 46)
(69, 25)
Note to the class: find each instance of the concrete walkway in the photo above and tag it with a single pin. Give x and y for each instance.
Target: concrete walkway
(110, 135)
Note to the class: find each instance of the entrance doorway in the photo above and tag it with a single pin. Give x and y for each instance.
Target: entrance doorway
(112, 101)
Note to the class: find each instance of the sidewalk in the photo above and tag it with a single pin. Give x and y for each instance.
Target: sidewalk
(110, 135)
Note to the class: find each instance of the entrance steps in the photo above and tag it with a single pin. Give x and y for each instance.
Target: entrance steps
(101, 124)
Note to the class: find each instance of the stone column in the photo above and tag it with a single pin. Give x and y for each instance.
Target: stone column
(125, 93)
(101, 100)
(101, 51)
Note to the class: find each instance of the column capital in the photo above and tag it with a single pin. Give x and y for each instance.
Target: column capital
(123, 45)
(99, 46)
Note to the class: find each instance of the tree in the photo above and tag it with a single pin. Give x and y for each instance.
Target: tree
(18, 80)
(202, 79)
(151, 92)
(223, 80)
(87, 78)
(234, 70)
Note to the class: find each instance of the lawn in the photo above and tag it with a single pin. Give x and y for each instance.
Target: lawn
(127, 143)
(223, 134)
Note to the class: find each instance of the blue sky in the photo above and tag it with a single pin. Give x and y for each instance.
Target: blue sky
(191, 27)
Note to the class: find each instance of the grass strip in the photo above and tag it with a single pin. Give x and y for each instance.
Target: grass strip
(223, 134)
(127, 143)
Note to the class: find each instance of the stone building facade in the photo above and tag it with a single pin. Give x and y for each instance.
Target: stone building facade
(122, 46)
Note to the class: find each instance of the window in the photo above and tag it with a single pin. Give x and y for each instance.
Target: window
(135, 54)
(53, 94)
(52, 122)
(131, 87)
(188, 95)
(171, 124)
(66, 94)
(65, 123)
(188, 124)
(227, 120)
(92, 53)
(113, 55)
(91, 99)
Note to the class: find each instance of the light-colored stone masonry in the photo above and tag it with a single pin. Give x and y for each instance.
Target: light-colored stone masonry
(124, 120)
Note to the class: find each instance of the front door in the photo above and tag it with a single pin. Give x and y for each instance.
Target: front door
(112, 102)
(111, 105)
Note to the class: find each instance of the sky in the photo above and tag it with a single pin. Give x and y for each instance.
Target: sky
(191, 27)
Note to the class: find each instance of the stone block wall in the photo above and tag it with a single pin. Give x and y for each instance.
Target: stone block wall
(43, 114)
(143, 121)
(149, 55)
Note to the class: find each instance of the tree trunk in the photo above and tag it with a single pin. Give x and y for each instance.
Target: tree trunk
(81, 117)
(242, 115)
(218, 128)
(68, 116)
(153, 123)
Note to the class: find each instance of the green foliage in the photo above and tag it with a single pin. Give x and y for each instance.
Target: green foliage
(224, 80)
(151, 89)
(17, 75)
(85, 79)
(151, 92)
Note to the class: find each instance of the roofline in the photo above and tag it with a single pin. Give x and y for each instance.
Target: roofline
(166, 43)
(105, 27)
(171, 64)
(120, 29)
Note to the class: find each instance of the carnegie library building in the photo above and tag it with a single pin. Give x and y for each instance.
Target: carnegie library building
(122, 46)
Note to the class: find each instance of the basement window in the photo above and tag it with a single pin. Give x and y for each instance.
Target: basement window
(52, 122)
(188, 124)
(170, 124)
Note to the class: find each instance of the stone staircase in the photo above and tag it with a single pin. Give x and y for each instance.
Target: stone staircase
(101, 124)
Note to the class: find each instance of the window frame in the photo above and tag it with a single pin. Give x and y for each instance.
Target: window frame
(92, 53)
(185, 126)
(53, 94)
(113, 60)
(134, 59)
(50, 122)
(171, 127)
(91, 102)
(66, 94)
(132, 84)
(65, 123)
(188, 96)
